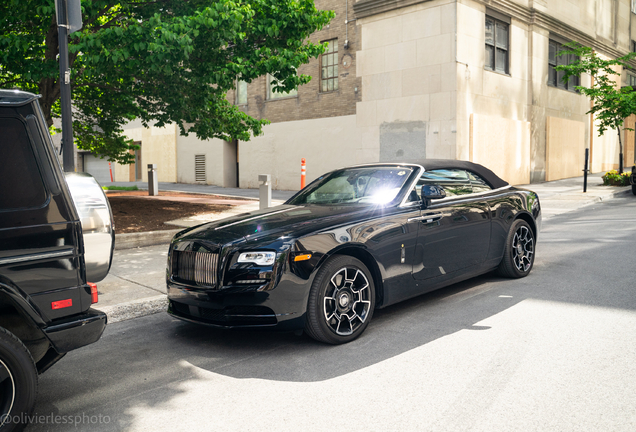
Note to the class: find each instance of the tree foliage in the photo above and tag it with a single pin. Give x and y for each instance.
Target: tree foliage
(160, 61)
(611, 104)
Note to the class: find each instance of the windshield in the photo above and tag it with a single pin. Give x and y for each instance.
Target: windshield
(366, 185)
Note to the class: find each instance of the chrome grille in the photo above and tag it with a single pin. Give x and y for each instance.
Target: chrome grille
(197, 268)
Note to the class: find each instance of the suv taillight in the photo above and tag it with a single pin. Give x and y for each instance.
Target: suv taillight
(93, 292)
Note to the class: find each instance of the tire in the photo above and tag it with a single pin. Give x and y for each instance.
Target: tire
(341, 301)
(18, 383)
(634, 189)
(518, 257)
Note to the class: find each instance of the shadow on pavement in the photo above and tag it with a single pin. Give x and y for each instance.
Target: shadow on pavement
(147, 361)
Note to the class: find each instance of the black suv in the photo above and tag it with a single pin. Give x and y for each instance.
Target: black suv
(56, 239)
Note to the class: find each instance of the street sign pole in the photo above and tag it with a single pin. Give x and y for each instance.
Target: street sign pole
(69, 19)
(68, 156)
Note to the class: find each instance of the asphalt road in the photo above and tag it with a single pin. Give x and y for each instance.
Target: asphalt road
(555, 351)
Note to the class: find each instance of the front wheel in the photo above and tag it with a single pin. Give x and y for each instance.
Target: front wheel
(18, 383)
(518, 257)
(634, 189)
(341, 301)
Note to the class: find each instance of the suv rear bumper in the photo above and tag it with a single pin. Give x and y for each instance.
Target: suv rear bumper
(76, 331)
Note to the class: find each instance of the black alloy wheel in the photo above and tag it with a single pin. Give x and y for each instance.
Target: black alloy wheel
(518, 257)
(341, 301)
(18, 383)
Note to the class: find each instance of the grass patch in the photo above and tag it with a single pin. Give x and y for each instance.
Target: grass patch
(120, 188)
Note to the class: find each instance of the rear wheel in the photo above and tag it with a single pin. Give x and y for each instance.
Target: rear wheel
(518, 257)
(18, 383)
(341, 301)
(634, 189)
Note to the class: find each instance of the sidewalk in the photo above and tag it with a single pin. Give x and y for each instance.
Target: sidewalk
(136, 283)
(561, 196)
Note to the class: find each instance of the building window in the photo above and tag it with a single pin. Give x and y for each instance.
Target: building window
(633, 44)
(634, 6)
(329, 67)
(555, 78)
(631, 80)
(496, 45)
(241, 92)
(271, 94)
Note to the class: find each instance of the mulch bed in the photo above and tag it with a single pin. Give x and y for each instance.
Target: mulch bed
(135, 211)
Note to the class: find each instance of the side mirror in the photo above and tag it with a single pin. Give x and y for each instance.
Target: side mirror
(431, 192)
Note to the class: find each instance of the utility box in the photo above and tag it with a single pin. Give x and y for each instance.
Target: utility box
(153, 181)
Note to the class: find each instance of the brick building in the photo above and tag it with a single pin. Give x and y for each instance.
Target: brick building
(408, 79)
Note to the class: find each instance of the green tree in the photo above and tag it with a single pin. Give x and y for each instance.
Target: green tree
(611, 104)
(159, 61)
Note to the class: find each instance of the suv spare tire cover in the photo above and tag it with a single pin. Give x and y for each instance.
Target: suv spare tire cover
(97, 224)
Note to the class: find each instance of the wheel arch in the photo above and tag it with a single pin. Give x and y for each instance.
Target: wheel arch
(530, 220)
(15, 319)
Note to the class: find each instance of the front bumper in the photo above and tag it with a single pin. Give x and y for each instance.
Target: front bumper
(282, 307)
(76, 331)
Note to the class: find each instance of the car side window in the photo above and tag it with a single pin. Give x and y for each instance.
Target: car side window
(22, 185)
(454, 181)
(478, 183)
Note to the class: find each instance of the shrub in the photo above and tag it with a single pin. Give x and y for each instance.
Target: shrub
(613, 178)
(120, 188)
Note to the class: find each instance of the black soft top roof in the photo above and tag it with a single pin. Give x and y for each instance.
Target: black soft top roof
(491, 178)
(16, 97)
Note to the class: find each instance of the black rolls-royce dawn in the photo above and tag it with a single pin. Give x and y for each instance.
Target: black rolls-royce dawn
(355, 239)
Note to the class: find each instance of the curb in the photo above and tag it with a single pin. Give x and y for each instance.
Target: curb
(618, 192)
(135, 308)
(148, 238)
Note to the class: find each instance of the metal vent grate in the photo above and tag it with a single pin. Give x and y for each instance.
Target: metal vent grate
(199, 168)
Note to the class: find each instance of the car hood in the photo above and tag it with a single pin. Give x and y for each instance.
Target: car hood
(273, 223)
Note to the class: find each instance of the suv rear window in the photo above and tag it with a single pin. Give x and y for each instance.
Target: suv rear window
(21, 184)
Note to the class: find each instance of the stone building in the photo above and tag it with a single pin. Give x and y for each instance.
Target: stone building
(408, 79)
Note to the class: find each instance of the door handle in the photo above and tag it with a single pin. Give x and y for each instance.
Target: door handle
(426, 218)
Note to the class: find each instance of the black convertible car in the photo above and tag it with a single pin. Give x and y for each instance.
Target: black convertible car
(353, 240)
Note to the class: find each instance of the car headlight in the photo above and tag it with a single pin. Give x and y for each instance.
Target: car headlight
(258, 258)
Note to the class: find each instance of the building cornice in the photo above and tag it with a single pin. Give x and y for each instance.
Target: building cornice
(529, 16)
(366, 8)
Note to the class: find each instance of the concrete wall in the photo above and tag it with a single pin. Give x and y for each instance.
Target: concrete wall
(408, 71)
(565, 148)
(188, 147)
(503, 145)
(523, 95)
(158, 146)
(326, 144)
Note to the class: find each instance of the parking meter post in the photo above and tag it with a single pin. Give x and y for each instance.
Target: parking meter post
(585, 170)
(264, 191)
(153, 181)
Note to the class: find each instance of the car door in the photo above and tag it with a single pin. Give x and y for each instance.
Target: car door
(454, 232)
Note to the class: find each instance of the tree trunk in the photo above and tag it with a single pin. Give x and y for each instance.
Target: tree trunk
(50, 87)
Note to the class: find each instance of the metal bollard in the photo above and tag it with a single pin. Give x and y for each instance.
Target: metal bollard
(265, 191)
(585, 170)
(153, 181)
